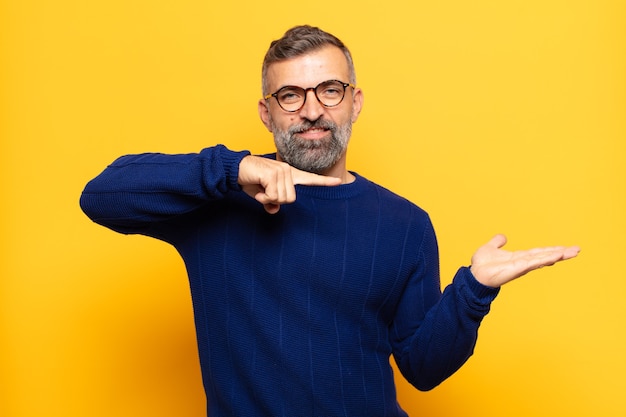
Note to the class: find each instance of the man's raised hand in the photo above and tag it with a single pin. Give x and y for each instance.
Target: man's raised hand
(494, 267)
(272, 183)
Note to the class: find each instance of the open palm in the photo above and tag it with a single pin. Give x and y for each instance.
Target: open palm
(494, 266)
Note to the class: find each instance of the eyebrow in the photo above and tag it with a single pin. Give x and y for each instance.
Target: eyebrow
(313, 86)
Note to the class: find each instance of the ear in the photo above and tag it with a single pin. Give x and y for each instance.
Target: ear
(264, 113)
(357, 103)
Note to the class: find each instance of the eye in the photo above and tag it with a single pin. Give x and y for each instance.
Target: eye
(289, 95)
(331, 89)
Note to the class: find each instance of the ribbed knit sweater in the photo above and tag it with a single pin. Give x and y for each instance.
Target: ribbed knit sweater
(297, 313)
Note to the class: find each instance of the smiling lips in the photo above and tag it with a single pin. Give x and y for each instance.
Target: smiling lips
(314, 133)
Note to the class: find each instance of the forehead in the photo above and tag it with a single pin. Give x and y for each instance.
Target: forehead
(328, 63)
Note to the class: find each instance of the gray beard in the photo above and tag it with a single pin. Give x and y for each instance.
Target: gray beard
(316, 156)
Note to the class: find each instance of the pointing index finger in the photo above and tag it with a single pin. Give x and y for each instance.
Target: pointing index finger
(309, 178)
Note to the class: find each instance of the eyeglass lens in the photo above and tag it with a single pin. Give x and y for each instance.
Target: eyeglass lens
(329, 93)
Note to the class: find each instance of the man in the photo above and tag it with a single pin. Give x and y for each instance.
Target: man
(306, 277)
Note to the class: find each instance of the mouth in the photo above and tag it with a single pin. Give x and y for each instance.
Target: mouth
(316, 132)
(313, 133)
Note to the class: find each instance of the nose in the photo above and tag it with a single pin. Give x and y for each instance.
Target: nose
(312, 108)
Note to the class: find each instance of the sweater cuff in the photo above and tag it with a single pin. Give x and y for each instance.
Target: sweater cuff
(230, 161)
(479, 294)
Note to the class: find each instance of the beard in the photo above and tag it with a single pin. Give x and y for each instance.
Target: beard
(318, 155)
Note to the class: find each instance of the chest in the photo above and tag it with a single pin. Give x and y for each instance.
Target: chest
(352, 258)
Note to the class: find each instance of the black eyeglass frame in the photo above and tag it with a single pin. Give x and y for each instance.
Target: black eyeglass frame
(306, 93)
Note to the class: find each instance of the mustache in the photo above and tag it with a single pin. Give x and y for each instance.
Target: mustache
(307, 124)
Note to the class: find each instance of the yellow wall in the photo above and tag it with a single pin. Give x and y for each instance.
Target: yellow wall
(495, 116)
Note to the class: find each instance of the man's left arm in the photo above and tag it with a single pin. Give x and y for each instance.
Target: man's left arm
(438, 343)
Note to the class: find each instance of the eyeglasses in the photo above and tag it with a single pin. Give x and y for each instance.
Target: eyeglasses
(292, 98)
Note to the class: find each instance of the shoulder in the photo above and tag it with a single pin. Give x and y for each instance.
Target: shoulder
(391, 201)
(396, 214)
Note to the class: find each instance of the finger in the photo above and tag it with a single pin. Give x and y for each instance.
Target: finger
(279, 190)
(497, 241)
(546, 258)
(276, 184)
(566, 252)
(283, 181)
(571, 252)
(537, 252)
(550, 256)
(271, 208)
(308, 178)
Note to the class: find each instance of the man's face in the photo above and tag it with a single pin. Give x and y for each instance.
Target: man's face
(314, 138)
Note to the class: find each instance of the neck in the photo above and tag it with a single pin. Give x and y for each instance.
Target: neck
(342, 172)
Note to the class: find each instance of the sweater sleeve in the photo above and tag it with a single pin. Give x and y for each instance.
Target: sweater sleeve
(434, 334)
(136, 191)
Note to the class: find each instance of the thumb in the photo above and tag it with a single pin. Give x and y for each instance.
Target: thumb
(497, 241)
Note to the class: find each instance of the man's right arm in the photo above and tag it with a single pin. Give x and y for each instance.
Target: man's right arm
(138, 190)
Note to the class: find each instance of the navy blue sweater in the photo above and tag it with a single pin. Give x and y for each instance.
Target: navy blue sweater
(297, 313)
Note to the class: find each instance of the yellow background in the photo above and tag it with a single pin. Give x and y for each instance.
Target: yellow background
(494, 116)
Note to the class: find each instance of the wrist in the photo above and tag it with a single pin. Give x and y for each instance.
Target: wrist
(479, 276)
